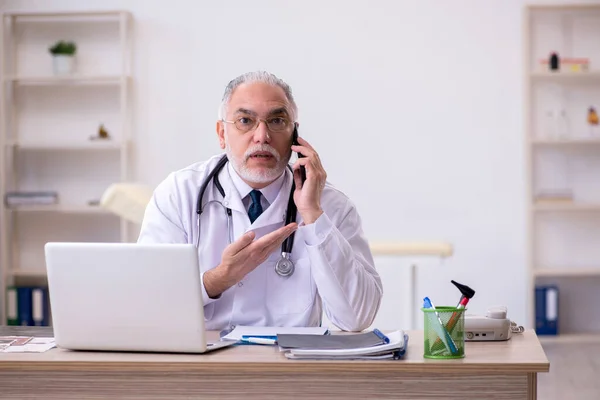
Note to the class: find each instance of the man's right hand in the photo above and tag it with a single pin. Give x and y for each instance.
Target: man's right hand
(242, 257)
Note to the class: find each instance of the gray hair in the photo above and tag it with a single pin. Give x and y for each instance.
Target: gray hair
(258, 76)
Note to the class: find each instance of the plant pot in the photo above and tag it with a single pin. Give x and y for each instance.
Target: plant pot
(63, 64)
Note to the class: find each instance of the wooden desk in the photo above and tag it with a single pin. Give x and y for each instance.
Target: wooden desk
(500, 370)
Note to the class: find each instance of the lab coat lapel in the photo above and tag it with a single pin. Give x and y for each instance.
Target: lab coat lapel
(275, 213)
(232, 196)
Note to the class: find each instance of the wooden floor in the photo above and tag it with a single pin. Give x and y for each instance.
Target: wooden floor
(574, 372)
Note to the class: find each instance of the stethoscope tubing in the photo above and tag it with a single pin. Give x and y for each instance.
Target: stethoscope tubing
(286, 246)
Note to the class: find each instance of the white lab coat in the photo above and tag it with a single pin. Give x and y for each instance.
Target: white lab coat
(334, 265)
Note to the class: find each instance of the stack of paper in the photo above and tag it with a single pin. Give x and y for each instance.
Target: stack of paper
(344, 346)
(30, 198)
(25, 344)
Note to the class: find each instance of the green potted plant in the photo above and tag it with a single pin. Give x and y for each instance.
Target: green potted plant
(63, 57)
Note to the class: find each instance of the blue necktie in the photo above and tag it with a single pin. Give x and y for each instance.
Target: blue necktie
(255, 208)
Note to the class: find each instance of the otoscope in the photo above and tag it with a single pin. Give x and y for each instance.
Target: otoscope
(467, 294)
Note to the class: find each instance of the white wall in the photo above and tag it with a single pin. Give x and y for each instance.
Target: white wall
(414, 106)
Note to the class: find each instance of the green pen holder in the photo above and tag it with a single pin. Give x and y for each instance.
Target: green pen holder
(445, 339)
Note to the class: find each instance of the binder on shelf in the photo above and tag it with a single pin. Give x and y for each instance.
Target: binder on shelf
(24, 306)
(12, 311)
(28, 306)
(546, 310)
(40, 309)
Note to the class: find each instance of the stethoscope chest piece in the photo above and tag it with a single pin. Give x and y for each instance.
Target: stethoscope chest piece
(284, 266)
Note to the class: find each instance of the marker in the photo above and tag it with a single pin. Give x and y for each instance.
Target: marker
(381, 336)
(259, 340)
(272, 337)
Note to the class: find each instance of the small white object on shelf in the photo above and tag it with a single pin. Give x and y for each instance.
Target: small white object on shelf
(63, 65)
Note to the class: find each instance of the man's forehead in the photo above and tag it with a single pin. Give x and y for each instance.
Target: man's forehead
(259, 98)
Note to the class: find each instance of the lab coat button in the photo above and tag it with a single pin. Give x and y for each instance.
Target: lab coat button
(240, 284)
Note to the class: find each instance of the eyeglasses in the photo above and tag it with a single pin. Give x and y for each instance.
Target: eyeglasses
(274, 124)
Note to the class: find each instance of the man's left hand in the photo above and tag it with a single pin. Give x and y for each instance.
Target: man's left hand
(307, 195)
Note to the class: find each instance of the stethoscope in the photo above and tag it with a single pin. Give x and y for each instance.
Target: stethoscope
(284, 266)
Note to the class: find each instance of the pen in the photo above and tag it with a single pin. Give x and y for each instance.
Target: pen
(270, 337)
(259, 340)
(454, 318)
(381, 336)
(441, 330)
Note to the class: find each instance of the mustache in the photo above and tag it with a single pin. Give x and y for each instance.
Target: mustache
(261, 147)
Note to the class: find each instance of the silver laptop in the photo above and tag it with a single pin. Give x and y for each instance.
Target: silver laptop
(127, 297)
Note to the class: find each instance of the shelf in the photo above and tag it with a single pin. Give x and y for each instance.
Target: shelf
(566, 142)
(86, 146)
(33, 273)
(570, 338)
(41, 153)
(66, 80)
(564, 7)
(59, 208)
(566, 272)
(91, 13)
(575, 77)
(575, 207)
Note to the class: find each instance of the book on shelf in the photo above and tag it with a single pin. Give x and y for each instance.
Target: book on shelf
(546, 309)
(27, 306)
(19, 198)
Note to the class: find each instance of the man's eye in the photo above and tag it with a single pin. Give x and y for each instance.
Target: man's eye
(277, 121)
(246, 121)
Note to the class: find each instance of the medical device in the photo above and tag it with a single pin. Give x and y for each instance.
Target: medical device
(493, 326)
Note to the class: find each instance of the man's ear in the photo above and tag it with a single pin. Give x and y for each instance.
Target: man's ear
(221, 133)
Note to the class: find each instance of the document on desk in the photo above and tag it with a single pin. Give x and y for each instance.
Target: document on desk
(272, 331)
(329, 342)
(395, 349)
(26, 344)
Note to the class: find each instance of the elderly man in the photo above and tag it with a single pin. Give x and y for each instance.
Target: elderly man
(277, 244)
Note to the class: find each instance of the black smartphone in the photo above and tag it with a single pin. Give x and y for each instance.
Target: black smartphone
(295, 142)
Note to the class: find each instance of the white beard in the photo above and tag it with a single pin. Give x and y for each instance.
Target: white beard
(257, 175)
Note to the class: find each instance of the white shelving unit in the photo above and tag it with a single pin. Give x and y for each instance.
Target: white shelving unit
(47, 122)
(563, 154)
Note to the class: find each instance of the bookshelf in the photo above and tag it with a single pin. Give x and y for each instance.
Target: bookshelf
(563, 164)
(49, 134)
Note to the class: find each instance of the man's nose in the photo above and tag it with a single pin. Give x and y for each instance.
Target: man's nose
(261, 133)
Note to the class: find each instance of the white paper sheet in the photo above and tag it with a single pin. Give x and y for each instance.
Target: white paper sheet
(25, 344)
(239, 331)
